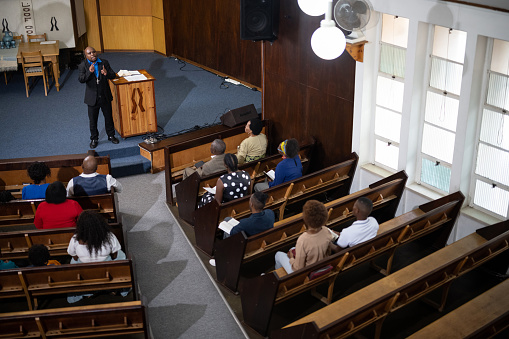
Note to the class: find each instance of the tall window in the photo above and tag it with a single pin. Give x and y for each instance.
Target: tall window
(491, 170)
(390, 88)
(441, 110)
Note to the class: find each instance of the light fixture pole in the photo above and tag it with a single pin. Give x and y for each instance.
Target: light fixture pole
(328, 42)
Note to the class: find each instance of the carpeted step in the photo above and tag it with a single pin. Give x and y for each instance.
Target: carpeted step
(129, 165)
(116, 152)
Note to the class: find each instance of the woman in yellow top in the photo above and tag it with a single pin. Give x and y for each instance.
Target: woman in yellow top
(255, 146)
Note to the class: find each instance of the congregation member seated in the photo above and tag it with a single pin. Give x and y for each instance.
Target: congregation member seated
(288, 169)
(38, 255)
(90, 182)
(6, 196)
(260, 220)
(214, 165)
(313, 245)
(57, 211)
(38, 171)
(7, 264)
(232, 185)
(255, 146)
(363, 229)
(93, 242)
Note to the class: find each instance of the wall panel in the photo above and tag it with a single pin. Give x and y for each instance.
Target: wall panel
(208, 33)
(157, 8)
(92, 22)
(127, 32)
(304, 95)
(159, 39)
(125, 7)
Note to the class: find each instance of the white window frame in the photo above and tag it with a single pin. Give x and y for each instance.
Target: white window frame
(474, 177)
(422, 121)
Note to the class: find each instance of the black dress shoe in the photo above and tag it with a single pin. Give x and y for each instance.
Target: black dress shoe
(94, 143)
(113, 139)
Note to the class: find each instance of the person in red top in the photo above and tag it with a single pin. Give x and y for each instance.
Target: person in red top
(57, 211)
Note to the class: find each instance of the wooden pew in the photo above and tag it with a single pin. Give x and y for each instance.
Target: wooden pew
(372, 304)
(35, 282)
(22, 212)
(190, 190)
(482, 317)
(337, 178)
(15, 245)
(259, 295)
(236, 251)
(77, 322)
(187, 149)
(14, 176)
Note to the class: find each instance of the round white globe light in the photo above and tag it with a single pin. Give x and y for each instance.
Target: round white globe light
(328, 42)
(313, 7)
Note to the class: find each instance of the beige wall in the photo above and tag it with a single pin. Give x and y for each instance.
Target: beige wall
(126, 25)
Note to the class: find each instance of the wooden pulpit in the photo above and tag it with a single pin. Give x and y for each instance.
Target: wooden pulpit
(134, 105)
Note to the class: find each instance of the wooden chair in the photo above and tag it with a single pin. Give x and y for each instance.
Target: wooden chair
(33, 65)
(15, 37)
(37, 37)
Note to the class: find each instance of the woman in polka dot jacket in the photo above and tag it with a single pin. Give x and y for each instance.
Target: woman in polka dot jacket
(235, 184)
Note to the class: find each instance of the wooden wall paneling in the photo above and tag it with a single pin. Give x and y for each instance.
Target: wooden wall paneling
(92, 23)
(168, 28)
(228, 42)
(329, 119)
(205, 26)
(181, 20)
(324, 90)
(251, 62)
(208, 33)
(157, 8)
(284, 106)
(159, 36)
(126, 7)
(127, 33)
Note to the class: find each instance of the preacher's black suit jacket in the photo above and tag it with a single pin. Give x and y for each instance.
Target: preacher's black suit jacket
(89, 78)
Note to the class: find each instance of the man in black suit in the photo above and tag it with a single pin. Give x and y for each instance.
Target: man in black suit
(95, 73)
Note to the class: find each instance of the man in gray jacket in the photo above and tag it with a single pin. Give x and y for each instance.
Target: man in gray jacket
(214, 165)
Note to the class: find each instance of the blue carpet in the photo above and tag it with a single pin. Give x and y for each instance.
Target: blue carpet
(58, 124)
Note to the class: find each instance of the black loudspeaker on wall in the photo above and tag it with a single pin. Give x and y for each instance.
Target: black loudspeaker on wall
(239, 116)
(259, 19)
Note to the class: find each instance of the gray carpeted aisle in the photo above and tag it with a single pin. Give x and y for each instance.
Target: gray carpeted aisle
(182, 300)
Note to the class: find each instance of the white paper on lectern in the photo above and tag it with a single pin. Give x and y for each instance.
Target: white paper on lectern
(51, 42)
(138, 77)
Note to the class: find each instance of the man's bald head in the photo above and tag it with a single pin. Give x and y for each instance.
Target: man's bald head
(89, 165)
(90, 54)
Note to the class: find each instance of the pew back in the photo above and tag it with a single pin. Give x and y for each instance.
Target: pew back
(71, 278)
(358, 310)
(189, 191)
(15, 245)
(482, 317)
(77, 322)
(190, 149)
(13, 172)
(22, 212)
(237, 250)
(337, 178)
(279, 286)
